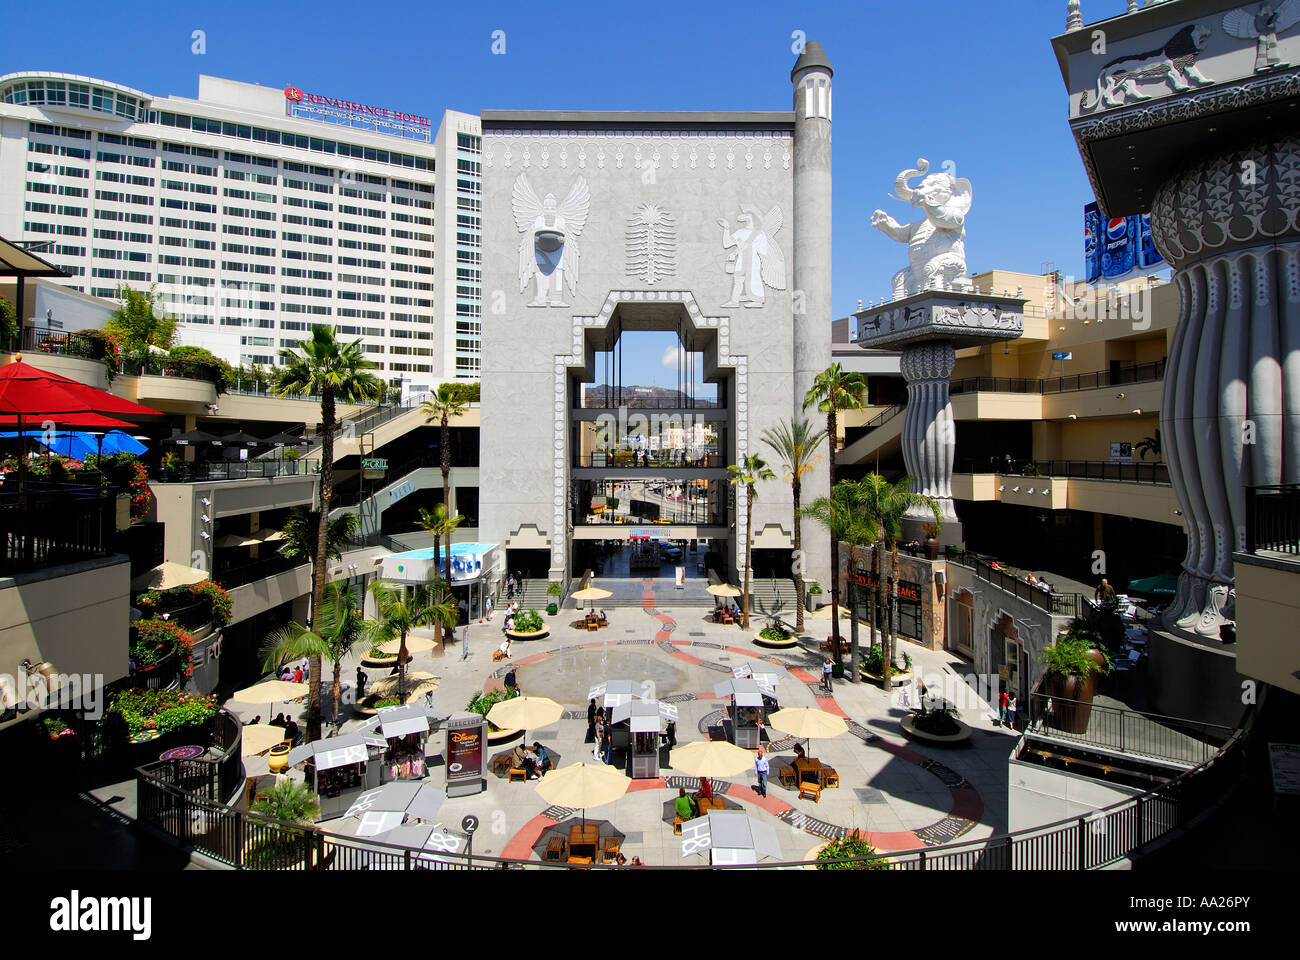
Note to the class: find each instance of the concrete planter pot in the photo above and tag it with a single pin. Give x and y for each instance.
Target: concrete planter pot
(786, 644)
(502, 736)
(381, 663)
(896, 678)
(530, 635)
(909, 728)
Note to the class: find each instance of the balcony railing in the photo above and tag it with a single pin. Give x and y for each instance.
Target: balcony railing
(1273, 519)
(1124, 374)
(207, 470)
(46, 528)
(1057, 604)
(1129, 731)
(649, 459)
(616, 401)
(1071, 469)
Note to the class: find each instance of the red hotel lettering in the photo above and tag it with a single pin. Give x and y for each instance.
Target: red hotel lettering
(316, 98)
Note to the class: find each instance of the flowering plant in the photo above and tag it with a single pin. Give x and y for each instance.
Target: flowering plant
(163, 710)
(219, 602)
(141, 495)
(155, 639)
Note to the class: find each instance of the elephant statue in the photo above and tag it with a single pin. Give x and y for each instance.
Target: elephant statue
(936, 245)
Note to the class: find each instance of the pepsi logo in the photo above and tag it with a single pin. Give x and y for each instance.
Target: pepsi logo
(1117, 228)
(292, 94)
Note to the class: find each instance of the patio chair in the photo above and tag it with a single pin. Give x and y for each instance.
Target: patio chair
(609, 849)
(829, 777)
(555, 849)
(787, 776)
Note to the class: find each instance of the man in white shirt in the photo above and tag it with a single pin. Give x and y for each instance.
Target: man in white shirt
(761, 767)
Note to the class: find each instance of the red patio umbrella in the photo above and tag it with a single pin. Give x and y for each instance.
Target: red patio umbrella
(29, 394)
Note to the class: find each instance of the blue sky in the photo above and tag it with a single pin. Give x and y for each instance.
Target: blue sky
(973, 82)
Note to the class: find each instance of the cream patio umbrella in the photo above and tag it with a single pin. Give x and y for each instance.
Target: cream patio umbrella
(826, 612)
(167, 575)
(711, 758)
(723, 590)
(271, 692)
(258, 738)
(591, 593)
(525, 713)
(807, 723)
(582, 785)
(415, 643)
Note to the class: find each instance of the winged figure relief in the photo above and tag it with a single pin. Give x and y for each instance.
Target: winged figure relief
(548, 250)
(1262, 24)
(756, 259)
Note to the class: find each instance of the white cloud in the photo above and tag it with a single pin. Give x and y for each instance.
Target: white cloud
(673, 357)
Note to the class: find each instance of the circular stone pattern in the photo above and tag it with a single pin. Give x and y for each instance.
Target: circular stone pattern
(567, 676)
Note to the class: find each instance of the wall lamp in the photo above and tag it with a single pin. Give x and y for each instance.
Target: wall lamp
(1120, 396)
(205, 501)
(1074, 416)
(1138, 411)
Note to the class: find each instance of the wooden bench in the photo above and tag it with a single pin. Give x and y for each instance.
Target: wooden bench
(555, 849)
(786, 776)
(501, 764)
(677, 824)
(609, 849)
(522, 774)
(711, 803)
(829, 777)
(812, 788)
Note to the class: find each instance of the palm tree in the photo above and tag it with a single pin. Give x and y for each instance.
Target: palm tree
(288, 801)
(335, 372)
(795, 442)
(447, 402)
(440, 525)
(886, 503)
(402, 609)
(302, 526)
(832, 391)
(844, 519)
(338, 628)
(745, 474)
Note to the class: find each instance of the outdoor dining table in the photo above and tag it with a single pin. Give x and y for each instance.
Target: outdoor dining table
(583, 838)
(810, 768)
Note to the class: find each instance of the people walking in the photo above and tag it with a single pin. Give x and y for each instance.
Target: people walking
(1104, 591)
(591, 721)
(598, 746)
(827, 669)
(361, 683)
(761, 767)
(1002, 707)
(1011, 711)
(608, 739)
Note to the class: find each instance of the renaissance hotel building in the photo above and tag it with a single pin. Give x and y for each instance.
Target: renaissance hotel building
(257, 211)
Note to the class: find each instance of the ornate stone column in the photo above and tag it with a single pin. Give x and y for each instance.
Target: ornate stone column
(1230, 225)
(929, 327)
(928, 428)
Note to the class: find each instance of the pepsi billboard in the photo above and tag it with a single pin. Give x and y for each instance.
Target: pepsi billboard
(1115, 248)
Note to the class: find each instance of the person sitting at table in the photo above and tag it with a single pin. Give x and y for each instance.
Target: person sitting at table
(602, 620)
(684, 805)
(543, 759)
(704, 793)
(521, 760)
(799, 752)
(291, 730)
(278, 721)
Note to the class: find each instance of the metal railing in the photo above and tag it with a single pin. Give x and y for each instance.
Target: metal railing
(205, 470)
(1127, 731)
(360, 426)
(1124, 830)
(1273, 519)
(46, 528)
(1057, 604)
(630, 459)
(1156, 473)
(1123, 374)
(645, 403)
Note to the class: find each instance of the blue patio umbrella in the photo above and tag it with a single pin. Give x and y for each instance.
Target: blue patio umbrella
(79, 444)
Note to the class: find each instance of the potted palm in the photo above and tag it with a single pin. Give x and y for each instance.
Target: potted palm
(1073, 663)
(931, 533)
(553, 606)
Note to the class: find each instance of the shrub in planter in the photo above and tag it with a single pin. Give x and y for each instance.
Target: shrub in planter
(938, 723)
(195, 363)
(873, 661)
(483, 702)
(528, 621)
(163, 710)
(851, 846)
(1071, 663)
(774, 633)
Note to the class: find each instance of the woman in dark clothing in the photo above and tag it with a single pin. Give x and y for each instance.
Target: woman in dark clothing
(591, 721)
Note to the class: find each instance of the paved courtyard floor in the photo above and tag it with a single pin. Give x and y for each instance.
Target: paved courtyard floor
(900, 794)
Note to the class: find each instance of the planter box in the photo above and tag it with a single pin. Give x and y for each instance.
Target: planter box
(787, 643)
(897, 678)
(531, 635)
(909, 728)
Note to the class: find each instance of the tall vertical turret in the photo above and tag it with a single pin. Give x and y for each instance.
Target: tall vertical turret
(811, 77)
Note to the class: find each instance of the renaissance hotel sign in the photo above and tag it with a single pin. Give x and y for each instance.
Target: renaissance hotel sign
(361, 116)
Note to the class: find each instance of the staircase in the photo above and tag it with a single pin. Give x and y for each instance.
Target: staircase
(775, 595)
(534, 595)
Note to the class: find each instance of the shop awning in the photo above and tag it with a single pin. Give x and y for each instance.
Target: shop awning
(615, 692)
(643, 715)
(335, 751)
(417, 836)
(401, 721)
(384, 808)
(731, 837)
(744, 689)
